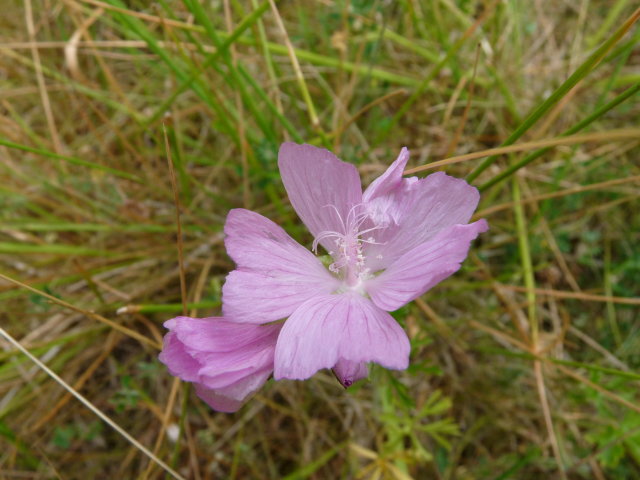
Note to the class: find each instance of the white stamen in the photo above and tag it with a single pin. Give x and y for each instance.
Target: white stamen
(349, 256)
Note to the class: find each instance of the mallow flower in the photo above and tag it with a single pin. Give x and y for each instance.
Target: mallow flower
(387, 246)
(226, 361)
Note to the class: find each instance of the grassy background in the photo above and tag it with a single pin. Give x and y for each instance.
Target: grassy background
(524, 365)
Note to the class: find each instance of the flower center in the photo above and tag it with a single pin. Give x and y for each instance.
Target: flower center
(349, 259)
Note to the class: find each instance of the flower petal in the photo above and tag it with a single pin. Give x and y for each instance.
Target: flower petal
(389, 180)
(321, 187)
(348, 372)
(424, 266)
(201, 336)
(332, 328)
(275, 274)
(416, 211)
(226, 360)
(231, 398)
(217, 400)
(177, 360)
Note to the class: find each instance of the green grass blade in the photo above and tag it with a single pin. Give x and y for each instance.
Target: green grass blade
(569, 363)
(75, 86)
(232, 77)
(404, 42)
(525, 259)
(56, 249)
(310, 468)
(576, 128)
(612, 15)
(581, 72)
(72, 160)
(270, 105)
(425, 84)
(86, 227)
(180, 70)
(246, 23)
(333, 62)
(167, 307)
(10, 437)
(522, 462)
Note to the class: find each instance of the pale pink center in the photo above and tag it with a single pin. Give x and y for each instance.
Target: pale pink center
(349, 259)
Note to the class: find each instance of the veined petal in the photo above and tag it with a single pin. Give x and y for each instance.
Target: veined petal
(226, 360)
(201, 336)
(218, 401)
(418, 210)
(275, 274)
(231, 398)
(321, 187)
(178, 360)
(389, 180)
(424, 266)
(332, 328)
(225, 370)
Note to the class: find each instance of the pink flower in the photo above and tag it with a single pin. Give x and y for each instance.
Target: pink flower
(388, 244)
(227, 361)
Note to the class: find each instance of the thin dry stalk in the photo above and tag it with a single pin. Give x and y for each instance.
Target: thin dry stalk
(176, 200)
(143, 16)
(341, 129)
(558, 194)
(546, 412)
(42, 86)
(617, 398)
(608, 136)
(89, 405)
(166, 418)
(87, 374)
(302, 84)
(575, 295)
(463, 121)
(244, 144)
(95, 316)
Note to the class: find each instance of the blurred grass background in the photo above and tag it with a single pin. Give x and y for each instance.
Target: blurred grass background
(524, 365)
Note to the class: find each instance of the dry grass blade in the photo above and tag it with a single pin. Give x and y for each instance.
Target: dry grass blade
(176, 200)
(143, 16)
(616, 398)
(456, 137)
(165, 423)
(546, 412)
(302, 84)
(71, 48)
(609, 136)
(90, 405)
(575, 295)
(508, 338)
(560, 193)
(46, 103)
(127, 331)
(110, 344)
(342, 128)
(105, 44)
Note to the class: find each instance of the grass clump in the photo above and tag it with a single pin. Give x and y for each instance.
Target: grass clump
(524, 365)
